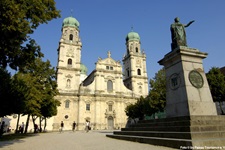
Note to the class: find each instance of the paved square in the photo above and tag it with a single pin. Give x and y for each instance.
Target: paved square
(79, 140)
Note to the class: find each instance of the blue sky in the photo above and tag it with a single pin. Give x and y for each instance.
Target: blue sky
(104, 25)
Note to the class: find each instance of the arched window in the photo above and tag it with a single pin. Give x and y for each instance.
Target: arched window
(109, 86)
(110, 107)
(67, 104)
(68, 83)
(71, 37)
(136, 49)
(139, 71)
(69, 61)
(88, 107)
(128, 72)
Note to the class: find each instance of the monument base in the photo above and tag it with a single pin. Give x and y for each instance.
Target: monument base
(187, 89)
(192, 107)
(187, 132)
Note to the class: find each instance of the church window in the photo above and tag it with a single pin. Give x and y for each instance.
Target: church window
(110, 107)
(71, 37)
(69, 61)
(68, 83)
(109, 86)
(88, 107)
(67, 104)
(109, 67)
(128, 72)
(136, 49)
(139, 71)
(131, 47)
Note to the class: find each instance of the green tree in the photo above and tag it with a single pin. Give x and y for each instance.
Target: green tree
(36, 87)
(216, 82)
(136, 110)
(5, 95)
(18, 20)
(157, 94)
(154, 102)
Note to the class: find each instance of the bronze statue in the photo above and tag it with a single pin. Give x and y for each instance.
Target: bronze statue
(178, 33)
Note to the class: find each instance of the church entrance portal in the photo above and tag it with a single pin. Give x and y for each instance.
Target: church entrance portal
(110, 122)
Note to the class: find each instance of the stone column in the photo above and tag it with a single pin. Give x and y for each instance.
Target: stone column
(187, 88)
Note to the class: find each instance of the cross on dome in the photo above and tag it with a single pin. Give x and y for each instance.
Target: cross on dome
(109, 54)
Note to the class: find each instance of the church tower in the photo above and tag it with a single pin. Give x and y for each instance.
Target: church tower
(69, 57)
(134, 62)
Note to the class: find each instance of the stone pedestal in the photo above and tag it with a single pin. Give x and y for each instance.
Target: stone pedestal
(187, 88)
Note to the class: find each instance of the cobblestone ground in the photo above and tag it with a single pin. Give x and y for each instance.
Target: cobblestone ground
(79, 140)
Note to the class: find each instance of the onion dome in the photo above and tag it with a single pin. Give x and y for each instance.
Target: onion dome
(70, 22)
(133, 36)
(83, 69)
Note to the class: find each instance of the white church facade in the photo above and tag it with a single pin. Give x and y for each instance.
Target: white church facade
(102, 96)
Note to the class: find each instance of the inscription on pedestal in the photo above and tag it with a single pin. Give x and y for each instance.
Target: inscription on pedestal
(174, 81)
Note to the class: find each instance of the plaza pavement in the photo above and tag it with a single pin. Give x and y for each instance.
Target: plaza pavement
(79, 140)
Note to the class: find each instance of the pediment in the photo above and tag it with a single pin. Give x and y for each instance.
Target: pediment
(108, 61)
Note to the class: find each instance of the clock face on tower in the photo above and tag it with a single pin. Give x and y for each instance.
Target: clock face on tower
(138, 62)
(196, 79)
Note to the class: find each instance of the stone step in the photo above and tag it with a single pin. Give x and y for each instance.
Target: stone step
(210, 143)
(178, 123)
(185, 118)
(177, 128)
(172, 129)
(168, 142)
(179, 135)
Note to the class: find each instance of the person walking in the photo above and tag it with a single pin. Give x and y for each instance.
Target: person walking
(74, 126)
(2, 128)
(61, 127)
(87, 127)
(22, 127)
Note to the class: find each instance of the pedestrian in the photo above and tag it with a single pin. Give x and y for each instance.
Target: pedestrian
(74, 126)
(62, 126)
(22, 127)
(2, 128)
(35, 128)
(87, 127)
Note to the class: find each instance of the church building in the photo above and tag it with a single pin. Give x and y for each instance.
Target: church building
(102, 96)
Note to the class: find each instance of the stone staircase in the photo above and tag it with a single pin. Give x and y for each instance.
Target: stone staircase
(188, 132)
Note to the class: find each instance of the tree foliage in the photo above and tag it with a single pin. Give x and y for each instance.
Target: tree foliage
(216, 82)
(157, 94)
(5, 95)
(139, 109)
(154, 102)
(19, 19)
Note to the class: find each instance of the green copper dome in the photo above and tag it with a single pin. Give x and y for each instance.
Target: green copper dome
(83, 69)
(133, 36)
(70, 22)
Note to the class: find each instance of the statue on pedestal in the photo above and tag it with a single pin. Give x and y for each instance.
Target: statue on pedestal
(178, 34)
